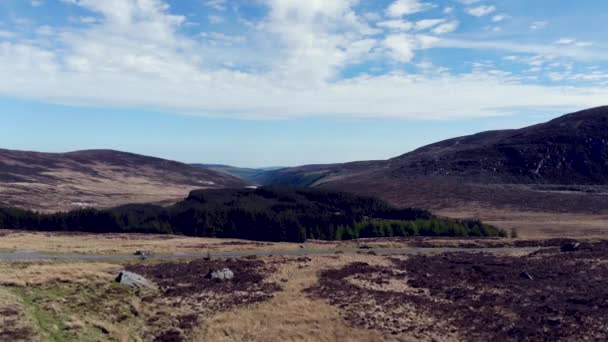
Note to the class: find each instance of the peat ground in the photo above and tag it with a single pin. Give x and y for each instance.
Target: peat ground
(547, 295)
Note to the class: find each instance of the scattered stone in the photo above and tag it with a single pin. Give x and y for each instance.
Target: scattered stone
(143, 253)
(133, 280)
(526, 275)
(570, 247)
(221, 275)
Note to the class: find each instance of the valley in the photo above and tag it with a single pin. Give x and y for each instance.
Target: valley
(512, 224)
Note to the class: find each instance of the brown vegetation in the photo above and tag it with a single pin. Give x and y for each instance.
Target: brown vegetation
(100, 178)
(549, 295)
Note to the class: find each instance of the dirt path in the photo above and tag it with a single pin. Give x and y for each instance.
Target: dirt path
(291, 315)
(33, 255)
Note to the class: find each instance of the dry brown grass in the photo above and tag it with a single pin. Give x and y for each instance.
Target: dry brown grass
(129, 243)
(538, 225)
(30, 274)
(290, 315)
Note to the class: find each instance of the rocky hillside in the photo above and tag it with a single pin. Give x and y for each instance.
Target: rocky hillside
(61, 181)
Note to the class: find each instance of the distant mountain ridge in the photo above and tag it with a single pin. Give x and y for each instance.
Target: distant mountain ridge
(62, 181)
(572, 149)
(560, 165)
(251, 175)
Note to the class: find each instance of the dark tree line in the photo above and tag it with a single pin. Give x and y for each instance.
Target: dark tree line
(266, 214)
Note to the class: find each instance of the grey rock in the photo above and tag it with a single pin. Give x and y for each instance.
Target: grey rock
(134, 280)
(570, 247)
(221, 275)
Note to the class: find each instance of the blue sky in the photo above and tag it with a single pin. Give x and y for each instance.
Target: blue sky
(288, 82)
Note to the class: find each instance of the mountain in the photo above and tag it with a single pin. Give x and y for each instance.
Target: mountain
(100, 178)
(249, 175)
(558, 165)
(572, 149)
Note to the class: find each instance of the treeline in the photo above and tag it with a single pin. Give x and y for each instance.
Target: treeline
(427, 227)
(266, 214)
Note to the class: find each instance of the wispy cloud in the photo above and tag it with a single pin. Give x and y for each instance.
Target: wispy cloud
(481, 11)
(400, 8)
(298, 59)
(446, 27)
(219, 5)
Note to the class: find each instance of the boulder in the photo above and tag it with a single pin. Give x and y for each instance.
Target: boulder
(526, 275)
(221, 275)
(570, 247)
(133, 280)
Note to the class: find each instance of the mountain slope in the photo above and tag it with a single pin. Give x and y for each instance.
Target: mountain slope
(572, 149)
(561, 165)
(61, 181)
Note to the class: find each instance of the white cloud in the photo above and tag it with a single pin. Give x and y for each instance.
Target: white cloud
(481, 11)
(448, 10)
(566, 41)
(499, 17)
(223, 38)
(372, 16)
(400, 8)
(428, 23)
(36, 3)
(402, 47)
(572, 41)
(446, 27)
(397, 24)
(469, 2)
(219, 5)
(136, 56)
(312, 33)
(574, 52)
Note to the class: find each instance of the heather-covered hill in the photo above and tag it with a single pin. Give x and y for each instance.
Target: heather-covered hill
(101, 178)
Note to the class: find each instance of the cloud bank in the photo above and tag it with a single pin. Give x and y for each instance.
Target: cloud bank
(295, 61)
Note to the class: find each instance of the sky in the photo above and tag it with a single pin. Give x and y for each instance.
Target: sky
(290, 82)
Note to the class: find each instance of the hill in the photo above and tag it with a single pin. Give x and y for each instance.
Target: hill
(560, 165)
(572, 149)
(101, 178)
